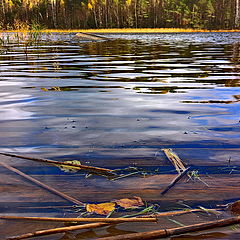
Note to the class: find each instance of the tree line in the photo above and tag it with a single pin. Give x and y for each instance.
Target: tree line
(70, 14)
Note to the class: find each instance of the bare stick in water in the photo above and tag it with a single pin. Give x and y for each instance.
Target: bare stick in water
(58, 230)
(84, 167)
(175, 160)
(175, 180)
(107, 220)
(163, 233)
(50, 189)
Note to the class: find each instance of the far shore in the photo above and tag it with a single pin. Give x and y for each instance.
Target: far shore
(126, 30)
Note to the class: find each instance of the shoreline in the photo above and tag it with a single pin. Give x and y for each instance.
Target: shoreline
(125, 30)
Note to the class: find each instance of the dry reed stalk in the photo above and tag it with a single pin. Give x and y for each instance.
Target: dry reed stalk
(50, 189)
(58, 230)
(175, 180)
(173, 213)
(80, 167)
(180, 212)
(163, 233)
(106, 220)
(176, 161)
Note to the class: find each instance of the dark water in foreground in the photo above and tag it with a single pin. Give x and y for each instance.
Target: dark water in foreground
(117, 103)
(112, 101)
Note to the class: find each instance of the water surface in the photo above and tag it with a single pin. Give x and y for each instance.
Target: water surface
(119, 102)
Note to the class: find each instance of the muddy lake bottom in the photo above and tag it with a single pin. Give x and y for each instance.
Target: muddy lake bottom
(116, 104)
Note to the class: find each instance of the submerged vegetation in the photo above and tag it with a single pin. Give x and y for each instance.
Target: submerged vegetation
(65, 14)
(124, 210)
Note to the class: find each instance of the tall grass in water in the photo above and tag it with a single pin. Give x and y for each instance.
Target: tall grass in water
(24, 35)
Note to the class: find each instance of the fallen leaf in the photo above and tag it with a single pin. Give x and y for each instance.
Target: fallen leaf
(235, 208)
(101, 208)
(70, 169)
(126, 203)
(44, 89)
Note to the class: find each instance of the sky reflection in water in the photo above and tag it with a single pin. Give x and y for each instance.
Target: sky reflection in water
(118, 102)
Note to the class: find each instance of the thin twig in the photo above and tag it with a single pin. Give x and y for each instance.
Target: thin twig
(58, 230)
(175, 180)
(43, 185)
(173, 213)
(163, 233)
(83, 167)
(108, 220)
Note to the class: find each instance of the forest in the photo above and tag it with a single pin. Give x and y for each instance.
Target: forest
(85, 14)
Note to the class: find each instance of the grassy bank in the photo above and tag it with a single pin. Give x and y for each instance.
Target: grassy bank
(128, 30)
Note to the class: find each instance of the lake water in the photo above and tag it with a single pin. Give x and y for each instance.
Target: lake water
(119, 102)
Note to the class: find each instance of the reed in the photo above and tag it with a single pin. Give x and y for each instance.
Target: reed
(58, 230)
(106, 220)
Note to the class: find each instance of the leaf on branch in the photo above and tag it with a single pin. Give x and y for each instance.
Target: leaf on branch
(235, 208)
(101, 208)
(70, 169)
(126, 203)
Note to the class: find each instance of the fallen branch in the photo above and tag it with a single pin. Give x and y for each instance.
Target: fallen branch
(80, 167)
(50, 189)
(175, 180)
(89, 36)
(163, 233)
(58, 230)
(107, 220)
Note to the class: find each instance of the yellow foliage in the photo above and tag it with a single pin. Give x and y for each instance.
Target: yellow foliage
(128, 2)
(101, 208)
(90, 6)
(9, 3)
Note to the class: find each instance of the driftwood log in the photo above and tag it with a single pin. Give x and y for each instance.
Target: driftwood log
(89, 37)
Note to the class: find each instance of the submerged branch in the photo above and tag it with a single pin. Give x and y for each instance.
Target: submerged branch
(163, 233)
(175, 180)
(43, 185)
(104, 171)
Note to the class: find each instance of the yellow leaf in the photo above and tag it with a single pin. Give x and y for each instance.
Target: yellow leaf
(45, 89)
(130, 203)
(71, 169)
(90, 6)
(101, 208)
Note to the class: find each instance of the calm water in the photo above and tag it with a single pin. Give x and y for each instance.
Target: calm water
(120, 102)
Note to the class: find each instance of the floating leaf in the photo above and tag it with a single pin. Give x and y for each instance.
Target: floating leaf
(44, 89)
(70, 169)
(126, 203)
(235, 208)
(101, 208)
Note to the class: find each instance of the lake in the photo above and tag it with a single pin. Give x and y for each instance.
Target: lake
(118, 103)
